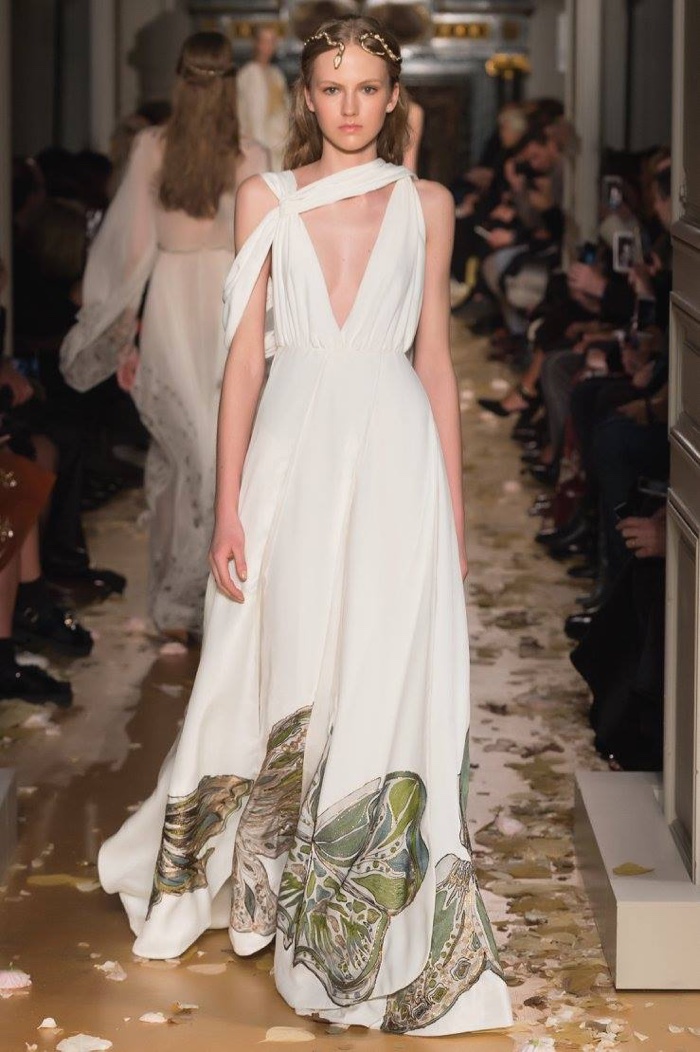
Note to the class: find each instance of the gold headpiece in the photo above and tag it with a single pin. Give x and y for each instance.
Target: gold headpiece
(363, 41)
(202, 71)
(331, 44)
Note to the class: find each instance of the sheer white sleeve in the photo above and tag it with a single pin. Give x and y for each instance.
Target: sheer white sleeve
(119, 264)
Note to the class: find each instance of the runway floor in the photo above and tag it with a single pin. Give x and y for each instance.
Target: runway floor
(81, 771)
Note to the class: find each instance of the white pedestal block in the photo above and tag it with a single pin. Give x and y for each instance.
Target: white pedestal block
(8, 817)
(649, 925)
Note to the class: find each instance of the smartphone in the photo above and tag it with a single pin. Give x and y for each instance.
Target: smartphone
(611, 192)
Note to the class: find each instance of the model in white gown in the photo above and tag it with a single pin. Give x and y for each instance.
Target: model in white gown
(183, 261)
(316, 796)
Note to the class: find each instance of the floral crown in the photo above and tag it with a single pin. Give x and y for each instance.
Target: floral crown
(367, 40)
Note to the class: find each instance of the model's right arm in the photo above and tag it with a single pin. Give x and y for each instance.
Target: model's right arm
(240, 391)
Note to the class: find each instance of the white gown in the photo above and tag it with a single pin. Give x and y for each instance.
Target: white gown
(316, 794)
(263, 107)
(183, 261)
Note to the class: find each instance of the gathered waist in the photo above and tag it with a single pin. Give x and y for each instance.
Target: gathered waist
(339, 348)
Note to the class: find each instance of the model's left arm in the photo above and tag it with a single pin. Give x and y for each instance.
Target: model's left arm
(433, 360)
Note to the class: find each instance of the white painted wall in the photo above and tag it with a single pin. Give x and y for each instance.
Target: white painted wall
(545, 79)
(150, 35)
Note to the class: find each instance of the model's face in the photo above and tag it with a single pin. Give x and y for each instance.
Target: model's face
(352, 101)
(266, 45)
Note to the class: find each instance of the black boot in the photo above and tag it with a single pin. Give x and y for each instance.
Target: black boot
(38, 621)
(29, 683)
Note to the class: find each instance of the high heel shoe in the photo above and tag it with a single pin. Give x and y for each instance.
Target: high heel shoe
(493, 405)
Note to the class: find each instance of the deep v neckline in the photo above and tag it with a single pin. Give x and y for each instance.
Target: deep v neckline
(363, 280)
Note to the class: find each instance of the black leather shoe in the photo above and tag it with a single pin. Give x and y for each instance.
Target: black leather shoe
(524, 433)
(105, 582)
(51, 625)
(547, 474)
(587, 571)
(596, 598)
(576, 625)
(32, 684)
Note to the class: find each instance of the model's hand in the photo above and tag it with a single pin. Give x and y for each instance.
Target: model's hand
(127, 367)
(228, 543)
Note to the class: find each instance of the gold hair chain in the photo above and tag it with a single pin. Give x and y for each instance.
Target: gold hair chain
(363, 41)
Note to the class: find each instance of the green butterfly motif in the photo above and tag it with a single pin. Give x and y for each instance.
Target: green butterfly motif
(348, 873)
(462, 949)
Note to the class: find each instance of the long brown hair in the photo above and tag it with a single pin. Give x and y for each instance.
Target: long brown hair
(201, 136)
(305, 143)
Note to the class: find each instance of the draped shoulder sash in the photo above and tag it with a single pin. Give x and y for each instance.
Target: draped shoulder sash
(241, 279)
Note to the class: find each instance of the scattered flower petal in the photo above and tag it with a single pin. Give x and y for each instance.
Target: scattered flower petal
(83, 1043)
(172, 649)
(153, 1017)
(207, 969)
(136, 626)
(631, 869)
(13, 979)
(290, 1034)
(48, 1024)
(112, 970)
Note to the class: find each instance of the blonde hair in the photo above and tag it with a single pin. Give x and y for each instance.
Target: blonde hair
(201, 136)
(305, 143)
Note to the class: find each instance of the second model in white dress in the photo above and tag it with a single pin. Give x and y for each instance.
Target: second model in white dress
(316, 796)
(182, 262)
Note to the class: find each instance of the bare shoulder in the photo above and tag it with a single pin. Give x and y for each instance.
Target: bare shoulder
(435, 198)
(254, 198)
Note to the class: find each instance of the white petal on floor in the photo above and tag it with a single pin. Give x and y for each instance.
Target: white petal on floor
(290, 1034)
(153, 1017)
(48, 1024)
(500, 385)
(172, 649)
(83, 1043)
(13, 979)
(112, 970)
(207, 969)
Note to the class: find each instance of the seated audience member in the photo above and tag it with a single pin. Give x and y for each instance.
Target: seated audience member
(621, 656)
(49, 261)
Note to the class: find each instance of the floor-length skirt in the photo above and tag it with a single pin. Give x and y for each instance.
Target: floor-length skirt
(177, 393)
(316, 795)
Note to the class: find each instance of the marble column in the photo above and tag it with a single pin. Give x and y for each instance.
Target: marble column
(586, 73)
(103, 87)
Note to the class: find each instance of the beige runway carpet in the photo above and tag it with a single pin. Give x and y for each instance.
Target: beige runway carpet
(81, 771)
